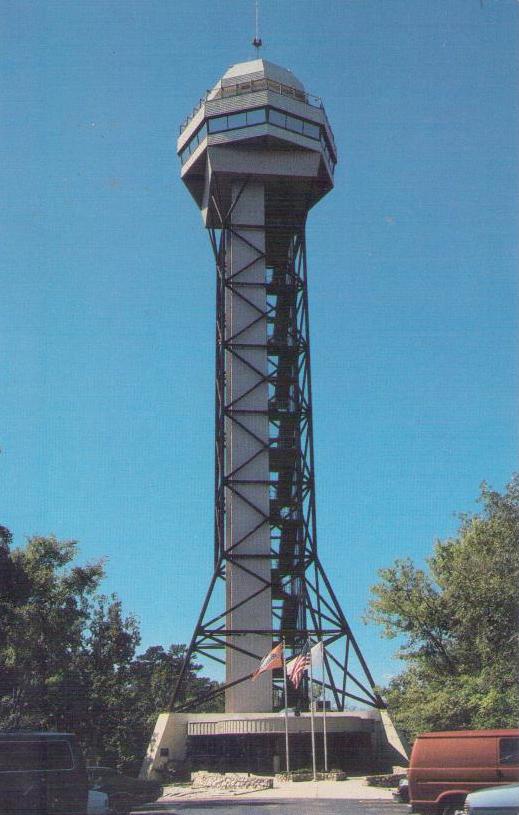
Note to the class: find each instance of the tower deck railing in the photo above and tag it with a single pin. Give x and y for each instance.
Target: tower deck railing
(251, 86)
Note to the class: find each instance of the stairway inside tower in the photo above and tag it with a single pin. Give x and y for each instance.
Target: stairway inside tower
(285, 417)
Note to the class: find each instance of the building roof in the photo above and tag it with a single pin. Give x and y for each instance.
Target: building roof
(259, 69)
(464, 734)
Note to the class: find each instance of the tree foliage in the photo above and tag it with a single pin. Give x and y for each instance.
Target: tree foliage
(153, 675)
(68, 655)
(45, 608)
(459, 624)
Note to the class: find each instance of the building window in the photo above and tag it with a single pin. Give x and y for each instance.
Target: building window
(277, 118)
(217, 124)
(199, 136)
(256, 117)
(236, 120)
(294, 124)
(249, 118)
(311, 130)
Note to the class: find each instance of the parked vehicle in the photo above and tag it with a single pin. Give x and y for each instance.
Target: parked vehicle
(446, 766)
(502, 800)
(42, 774)
(401, 793)
(124, 792)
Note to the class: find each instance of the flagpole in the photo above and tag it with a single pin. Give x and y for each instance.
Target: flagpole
(312, 723)
(286, 707)
(325, 734)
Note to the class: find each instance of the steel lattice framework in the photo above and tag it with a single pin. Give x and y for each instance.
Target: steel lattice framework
(304, 604)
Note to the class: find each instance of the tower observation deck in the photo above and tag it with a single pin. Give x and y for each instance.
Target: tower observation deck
(257, 154)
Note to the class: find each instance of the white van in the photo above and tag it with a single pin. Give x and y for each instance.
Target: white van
(497, 800)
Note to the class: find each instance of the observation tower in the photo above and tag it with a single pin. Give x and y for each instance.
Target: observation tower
(257, 154)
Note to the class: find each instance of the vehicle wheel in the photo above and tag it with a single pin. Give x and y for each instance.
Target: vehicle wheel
(451, 809)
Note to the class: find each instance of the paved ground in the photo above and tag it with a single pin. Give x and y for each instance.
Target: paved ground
(353, 789)
(300, 806)
(351, 797)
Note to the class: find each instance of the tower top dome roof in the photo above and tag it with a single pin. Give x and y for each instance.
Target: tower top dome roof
(258, 69)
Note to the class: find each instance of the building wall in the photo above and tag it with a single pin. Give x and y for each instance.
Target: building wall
(358, 737)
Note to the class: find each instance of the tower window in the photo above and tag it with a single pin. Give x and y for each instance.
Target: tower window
(256, 117)
(249, 118)
(311, 130)
(236, 120)
(277, 118)
(217, 124)
(294, 124)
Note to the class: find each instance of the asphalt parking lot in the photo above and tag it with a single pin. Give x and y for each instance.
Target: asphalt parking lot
(300, 806)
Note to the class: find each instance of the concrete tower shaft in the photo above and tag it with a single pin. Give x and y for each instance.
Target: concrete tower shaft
(256, 155)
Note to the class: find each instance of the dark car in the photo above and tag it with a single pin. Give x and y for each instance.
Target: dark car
(42, 774)
(124, 792)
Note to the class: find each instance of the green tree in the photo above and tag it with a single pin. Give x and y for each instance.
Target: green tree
(105, 668)
(44, 607)
(68, 655)
(152, 678)
(458, 621)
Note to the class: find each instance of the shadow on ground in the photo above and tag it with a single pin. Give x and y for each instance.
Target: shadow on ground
(249, 806)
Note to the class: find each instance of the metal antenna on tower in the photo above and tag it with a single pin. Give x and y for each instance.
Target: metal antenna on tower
(257, 41)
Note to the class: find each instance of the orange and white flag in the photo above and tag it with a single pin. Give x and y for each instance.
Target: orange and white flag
(274, 659)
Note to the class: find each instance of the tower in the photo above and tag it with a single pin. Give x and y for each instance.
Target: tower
(257, 154)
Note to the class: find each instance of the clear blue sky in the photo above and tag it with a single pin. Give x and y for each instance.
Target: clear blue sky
(107, 282)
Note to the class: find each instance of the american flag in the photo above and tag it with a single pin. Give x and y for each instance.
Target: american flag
(297, 666)
(274, 659)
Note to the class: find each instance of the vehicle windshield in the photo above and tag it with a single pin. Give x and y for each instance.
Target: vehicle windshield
(35, 755)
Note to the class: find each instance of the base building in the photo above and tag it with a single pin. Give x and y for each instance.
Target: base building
(364, 741)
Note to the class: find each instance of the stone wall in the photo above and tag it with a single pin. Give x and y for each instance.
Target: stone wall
(230, 781)
(301, 775)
